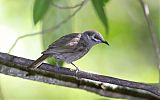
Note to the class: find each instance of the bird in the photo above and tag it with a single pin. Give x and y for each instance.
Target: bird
(71, 47)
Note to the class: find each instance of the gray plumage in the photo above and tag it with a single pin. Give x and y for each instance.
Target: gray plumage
(71, 47)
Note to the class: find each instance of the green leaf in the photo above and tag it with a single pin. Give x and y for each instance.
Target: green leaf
(105, 1)
(99, 8)
(39, 9)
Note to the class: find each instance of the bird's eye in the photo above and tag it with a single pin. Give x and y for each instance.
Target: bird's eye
(97, 37)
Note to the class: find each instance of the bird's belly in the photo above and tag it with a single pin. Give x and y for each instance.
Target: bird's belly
(70, 57)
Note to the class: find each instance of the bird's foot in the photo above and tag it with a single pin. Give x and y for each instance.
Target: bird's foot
(77, 71)
(30, 73)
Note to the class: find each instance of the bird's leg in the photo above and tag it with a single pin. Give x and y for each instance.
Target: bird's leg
(77, 69)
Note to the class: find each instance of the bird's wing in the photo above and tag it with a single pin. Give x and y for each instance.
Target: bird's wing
(64, 44)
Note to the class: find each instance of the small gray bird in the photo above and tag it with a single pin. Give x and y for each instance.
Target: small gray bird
(70, 47)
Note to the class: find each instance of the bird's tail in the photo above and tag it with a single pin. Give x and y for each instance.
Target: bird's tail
(37, 62)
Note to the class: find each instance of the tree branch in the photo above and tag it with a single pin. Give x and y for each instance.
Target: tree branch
(99, 84)
(152, 32)
(67, 7)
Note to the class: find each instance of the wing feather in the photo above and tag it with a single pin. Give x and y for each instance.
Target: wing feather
(64, 44)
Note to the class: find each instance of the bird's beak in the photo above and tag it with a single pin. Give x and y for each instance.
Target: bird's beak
(105, 42)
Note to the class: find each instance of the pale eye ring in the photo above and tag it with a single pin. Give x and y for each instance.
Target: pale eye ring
(96, 38)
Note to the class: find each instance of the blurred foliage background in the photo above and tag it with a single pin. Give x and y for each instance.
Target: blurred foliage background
(131, 55)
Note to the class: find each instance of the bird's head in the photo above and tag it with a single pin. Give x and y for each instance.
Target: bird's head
(94, 37)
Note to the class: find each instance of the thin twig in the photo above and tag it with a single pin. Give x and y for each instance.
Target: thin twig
(50, 29)
(99, 84)
(66, 7)
(21, 37)
(152, 31)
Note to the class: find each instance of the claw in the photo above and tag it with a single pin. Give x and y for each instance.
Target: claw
(30, 74)
(77, 70)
